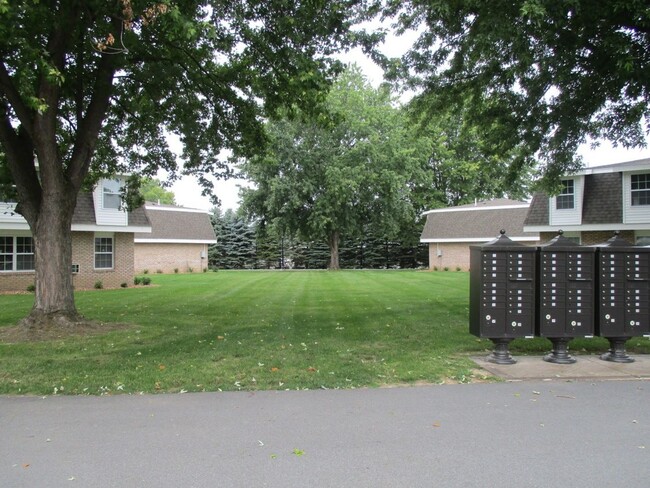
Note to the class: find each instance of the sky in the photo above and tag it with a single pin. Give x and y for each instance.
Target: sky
(188, 191)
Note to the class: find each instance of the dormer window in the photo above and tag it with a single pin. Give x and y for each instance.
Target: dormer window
(112, 197)
(566, 199)
(640, 189)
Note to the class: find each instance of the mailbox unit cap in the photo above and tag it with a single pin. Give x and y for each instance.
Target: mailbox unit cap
(616, 241)
(502, 242)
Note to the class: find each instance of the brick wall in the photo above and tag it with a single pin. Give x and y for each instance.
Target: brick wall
(16, 281)
(453, 255)
(83, 254)
(169, 257)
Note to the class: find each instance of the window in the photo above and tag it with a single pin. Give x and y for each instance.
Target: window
(642, 237)
(640, 186)
(103, 252)
(6, 253)
(565, 200)
(111, 191)
(16, 253)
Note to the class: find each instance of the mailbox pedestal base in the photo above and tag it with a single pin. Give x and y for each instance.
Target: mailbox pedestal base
(617, 353)
(560, 352)
(500, 353)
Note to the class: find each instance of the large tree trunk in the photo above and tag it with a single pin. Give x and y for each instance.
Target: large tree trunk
(54, 295)
(333, 243)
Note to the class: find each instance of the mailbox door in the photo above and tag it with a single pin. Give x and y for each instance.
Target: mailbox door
(637, 301)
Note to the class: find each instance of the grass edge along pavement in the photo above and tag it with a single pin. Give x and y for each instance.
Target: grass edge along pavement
(262, 330)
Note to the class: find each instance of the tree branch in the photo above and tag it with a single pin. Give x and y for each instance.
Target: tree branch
(19, 154)
(90, 125)
(24, 114)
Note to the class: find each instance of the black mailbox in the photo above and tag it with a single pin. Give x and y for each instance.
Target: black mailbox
(623, 295)
(502, 294)
(566, 298)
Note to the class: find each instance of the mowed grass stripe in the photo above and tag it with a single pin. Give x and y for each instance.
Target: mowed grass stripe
(261, 330)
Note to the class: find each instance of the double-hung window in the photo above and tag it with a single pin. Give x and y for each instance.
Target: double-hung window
(566, 199)
(103, 252)
(111, 191)
(640, 189)
(16, 253)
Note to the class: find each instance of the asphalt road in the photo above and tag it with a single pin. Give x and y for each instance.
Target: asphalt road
(528, 434)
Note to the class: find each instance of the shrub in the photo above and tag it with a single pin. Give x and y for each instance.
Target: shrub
(31, 288)
(175, 270)
(124, 285)
(458, 268)
(146, 281)
(435, 268)
(137, 280)
(205, 270)
(446, 268)
(190, 270)
(146, 271)
(159, 271)
(99, 285)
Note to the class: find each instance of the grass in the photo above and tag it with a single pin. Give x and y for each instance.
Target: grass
(261, 330)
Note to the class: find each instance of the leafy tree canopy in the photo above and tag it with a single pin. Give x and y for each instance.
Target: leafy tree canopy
(323, 182)
(534, 77)
(152, 190)
(95, 87)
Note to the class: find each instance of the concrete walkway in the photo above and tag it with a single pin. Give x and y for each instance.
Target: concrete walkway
(586, 368)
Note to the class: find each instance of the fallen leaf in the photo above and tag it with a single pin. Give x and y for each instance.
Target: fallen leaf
(311, 369)
(220, 338)
(298, 452)
(436, 424)
(161, 367)
(25, 465)
(274, 370)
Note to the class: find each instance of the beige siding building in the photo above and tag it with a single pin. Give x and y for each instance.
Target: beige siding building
(178, 241)
(450, 231)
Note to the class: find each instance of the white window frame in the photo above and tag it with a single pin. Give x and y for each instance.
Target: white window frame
(642, 237)
(564, 194)
(14, 254)
(111, 194)
(99, 236)
(638, 191)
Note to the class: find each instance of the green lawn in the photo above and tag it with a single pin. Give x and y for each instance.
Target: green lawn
(262, 330)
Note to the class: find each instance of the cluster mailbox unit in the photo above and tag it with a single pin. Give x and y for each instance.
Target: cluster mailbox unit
(623, 295)
(566, 302)
(502, 294)
(559, 290)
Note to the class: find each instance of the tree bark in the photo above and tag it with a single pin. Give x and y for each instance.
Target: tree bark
(54, 295)
(333, 243)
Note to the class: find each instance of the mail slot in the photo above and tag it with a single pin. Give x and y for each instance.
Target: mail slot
(566, 298)
(623, 298)
(502, 293)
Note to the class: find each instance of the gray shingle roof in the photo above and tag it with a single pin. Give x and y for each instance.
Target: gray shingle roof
(602, 202)
(84, 212)
(170, 223)
(538, 210)
(477, 221)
